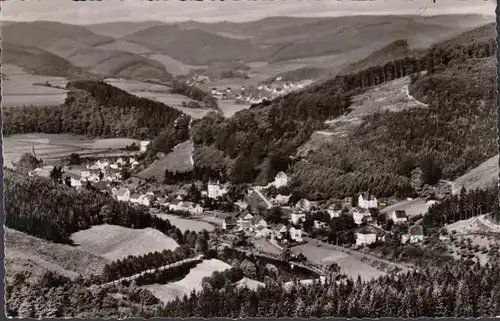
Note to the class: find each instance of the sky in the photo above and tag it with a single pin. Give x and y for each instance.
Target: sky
(88, 12)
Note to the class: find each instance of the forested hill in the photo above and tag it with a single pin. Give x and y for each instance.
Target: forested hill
(97, 109)
(251, 137)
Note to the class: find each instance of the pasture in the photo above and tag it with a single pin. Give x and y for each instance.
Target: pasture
(116, 242)
(192, 281)
(173, 66)
(133, 86)
(178, 160)
(480, 177)
(412, 207)
(184, 224)
(36, 256)
(20, 88)
(114, 143)
(229, 107)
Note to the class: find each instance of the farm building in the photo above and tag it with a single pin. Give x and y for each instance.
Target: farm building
(366, 200)
(399, 216)
(262, 232)
(259, 221)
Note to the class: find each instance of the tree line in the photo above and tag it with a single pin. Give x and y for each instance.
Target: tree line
(457, 290)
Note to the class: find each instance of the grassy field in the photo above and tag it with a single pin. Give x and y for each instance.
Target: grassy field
(115, 242)
(178, 160)
(229, 107)
(412, 208)
(325, 254)
(479, 177)
(477, 233)
(20, 88)
(126, 46)
(114, 143)
(133, 86)
(52, 147)
(27, 253)
(185, 224)
(192, 281)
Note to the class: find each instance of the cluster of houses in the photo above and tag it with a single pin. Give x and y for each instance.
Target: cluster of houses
(259, 228)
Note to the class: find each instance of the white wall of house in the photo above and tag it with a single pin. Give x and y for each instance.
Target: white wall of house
(365, 239)
(411, 238)
(396, 219)
(296, 234)
(373, 203)
(296, 217)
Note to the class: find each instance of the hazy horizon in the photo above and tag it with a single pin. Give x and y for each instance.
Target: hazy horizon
(89, 12)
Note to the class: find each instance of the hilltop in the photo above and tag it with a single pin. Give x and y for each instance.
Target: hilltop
(193, 46)
(40, 62)
(120, 29)
(78, 45)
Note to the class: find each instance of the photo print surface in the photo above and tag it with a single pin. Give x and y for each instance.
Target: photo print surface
(250, 159)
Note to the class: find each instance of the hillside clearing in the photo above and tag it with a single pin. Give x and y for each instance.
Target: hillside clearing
(479, 177)
(192, 281)
(115, 242)
(249, 283)
(114, 143)
(177, 160)
(36, 256)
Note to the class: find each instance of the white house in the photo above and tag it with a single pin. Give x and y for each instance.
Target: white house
(296, 218)
(145, 199)
(190, 207)
(296, 234)
(280, 180)
(259, 221)
(84, 174)
(360, 213)
(399, 216)
(215, 190)
(144, 145)
(416, 235)
(279, 230)
(333, 213)
(122, 194)
(262, 232)
(365, 238)
(75, 180)
(303, 205)
(114, 166)
(366, 200)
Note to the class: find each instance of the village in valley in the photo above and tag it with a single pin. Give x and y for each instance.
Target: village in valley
(263, 219)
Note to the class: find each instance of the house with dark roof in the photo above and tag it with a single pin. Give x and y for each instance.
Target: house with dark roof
(399, 216)
(259, 221)
(229, 223)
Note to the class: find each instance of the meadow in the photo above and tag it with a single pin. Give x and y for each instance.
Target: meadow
(116, 242)
(20, 88)
(192, 281)
(180, 159)
(184, 224)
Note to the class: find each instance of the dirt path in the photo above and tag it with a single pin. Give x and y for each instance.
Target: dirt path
(410, 97)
